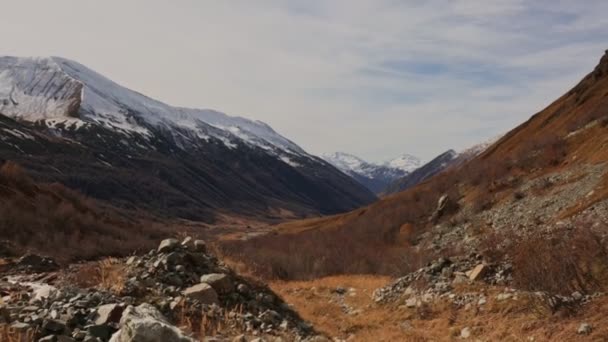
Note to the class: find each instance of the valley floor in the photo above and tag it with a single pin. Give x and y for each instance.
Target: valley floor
(343, 307)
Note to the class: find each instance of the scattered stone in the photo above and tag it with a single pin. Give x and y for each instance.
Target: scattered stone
(504, 296)
(465, 332)
(203, 292)
(411, 303)
(109, 313)
(37, 263)
(200, 246)
(220, 282)
(584, 329)
(168, 245)
(478, 272)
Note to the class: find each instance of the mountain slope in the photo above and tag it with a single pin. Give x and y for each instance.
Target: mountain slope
(439, 164)
(542, 178)
(373, 176)
(66, 123)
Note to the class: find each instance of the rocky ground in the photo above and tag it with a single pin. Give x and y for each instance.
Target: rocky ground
(178, 292)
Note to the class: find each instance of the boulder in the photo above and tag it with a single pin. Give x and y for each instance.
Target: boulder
(109, 313)
(204, 293)
(219, 281)
(145, 323)
(168, 245)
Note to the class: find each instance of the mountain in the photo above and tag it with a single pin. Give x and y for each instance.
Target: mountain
(428, 170)
(406, 162)
(66, 123)
(440, 163)
(373, 176)
(540, 187)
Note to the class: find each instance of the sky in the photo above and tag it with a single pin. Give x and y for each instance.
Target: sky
(376, 78)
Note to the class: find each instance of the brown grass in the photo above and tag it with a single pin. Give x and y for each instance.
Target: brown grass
(509, 320)
(8, 334)
(112, 275)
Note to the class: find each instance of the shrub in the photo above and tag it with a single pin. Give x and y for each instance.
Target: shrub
(562, 264)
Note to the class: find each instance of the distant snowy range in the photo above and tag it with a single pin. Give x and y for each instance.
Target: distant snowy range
(402, 172)
(375, 177)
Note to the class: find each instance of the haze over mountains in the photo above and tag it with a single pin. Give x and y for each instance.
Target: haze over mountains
(67, 123)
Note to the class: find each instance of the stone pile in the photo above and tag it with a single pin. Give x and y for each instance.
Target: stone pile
(159, 290)
(438, 278)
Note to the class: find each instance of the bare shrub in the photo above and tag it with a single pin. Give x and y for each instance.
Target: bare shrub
(562, 264)
(53, 220)
(112, 275)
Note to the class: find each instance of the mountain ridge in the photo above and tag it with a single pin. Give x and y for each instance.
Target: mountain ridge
(81, 129)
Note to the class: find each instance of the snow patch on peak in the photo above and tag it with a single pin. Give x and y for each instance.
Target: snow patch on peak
(345, 162)
(406, 162)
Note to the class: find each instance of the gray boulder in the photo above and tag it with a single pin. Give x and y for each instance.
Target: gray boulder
(219, 281)
(145, 323)
(204, 293)
(168, 245)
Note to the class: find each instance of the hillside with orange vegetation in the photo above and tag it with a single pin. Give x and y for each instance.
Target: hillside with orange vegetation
(548, 169)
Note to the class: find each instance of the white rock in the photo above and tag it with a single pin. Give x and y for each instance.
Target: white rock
(146, 323)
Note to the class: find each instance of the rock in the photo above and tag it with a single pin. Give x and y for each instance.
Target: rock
(20, 326)
(188, 242)
(465, 332)
(441, 205)
(503, 296)
(200, 246)
(271, 317)
(584, 329)
(53, 326)
(240, 338)
(131, 260)
(482, 301)
(243, 289)
(478, 272)
(146, 324)
(50, 338)
(109, 313)
(577, 295)
(167, 245)
(411, 303)
(103, 332)
(64, 338)
(204, 293)
(220, 282)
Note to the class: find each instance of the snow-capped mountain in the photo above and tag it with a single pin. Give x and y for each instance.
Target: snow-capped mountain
(406, 162)
(440, 163)
(197, 157)
(61, 91)
(374, 176)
